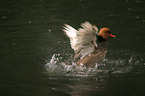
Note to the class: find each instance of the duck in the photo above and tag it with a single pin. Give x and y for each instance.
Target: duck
(89, 43)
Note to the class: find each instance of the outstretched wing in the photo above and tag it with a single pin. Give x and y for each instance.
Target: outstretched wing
(83, 40)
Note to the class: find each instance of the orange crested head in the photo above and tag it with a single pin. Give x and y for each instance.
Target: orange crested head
(105, 33)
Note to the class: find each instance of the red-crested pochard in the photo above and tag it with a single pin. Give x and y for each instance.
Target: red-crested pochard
(90, 46)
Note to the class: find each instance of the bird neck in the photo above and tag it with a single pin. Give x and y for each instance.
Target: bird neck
(100, 39)
(102, 43)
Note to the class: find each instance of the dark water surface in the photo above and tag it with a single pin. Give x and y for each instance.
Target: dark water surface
(33, 48)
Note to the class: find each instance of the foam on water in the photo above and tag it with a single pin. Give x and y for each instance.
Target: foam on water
(59, 67)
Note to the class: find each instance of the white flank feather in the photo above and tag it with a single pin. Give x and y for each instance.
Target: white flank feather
(83, 40)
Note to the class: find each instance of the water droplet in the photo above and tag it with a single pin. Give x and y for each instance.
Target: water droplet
(49, 30)
(129, 9)
(30, 22)
(137, 17)
(4, 17)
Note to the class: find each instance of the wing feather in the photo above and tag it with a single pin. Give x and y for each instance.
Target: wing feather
(83, 40)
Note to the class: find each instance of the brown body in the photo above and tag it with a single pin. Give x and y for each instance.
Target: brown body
(99, 54)
(96, 57)
(92, 59)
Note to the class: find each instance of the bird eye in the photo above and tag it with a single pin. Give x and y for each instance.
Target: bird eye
(108, 32)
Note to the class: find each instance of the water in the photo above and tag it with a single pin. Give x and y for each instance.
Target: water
(33, 48)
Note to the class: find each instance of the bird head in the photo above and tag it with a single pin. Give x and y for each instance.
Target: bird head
(105, 33)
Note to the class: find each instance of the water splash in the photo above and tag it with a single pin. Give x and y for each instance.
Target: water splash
(56, 66)
(59, 67)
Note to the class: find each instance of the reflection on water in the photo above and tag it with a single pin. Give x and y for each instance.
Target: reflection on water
(87, 88)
